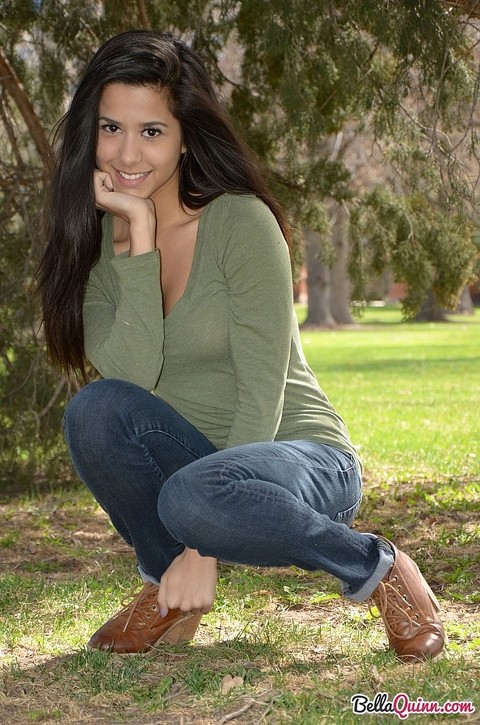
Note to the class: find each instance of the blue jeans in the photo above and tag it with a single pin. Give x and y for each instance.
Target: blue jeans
(166, 487)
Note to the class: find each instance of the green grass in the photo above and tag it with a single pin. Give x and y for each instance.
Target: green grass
(409, 393)
(410, 396)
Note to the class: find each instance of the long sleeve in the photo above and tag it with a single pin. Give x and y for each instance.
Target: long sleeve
(123, 321)
(227, 357)
(257, 270)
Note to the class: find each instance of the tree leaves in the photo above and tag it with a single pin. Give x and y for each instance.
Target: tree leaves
(309, 81)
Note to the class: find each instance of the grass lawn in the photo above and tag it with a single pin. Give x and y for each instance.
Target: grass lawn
(280, 646)
(410, 393)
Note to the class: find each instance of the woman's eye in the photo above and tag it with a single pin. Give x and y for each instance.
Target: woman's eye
(109, 128)
(152, 132)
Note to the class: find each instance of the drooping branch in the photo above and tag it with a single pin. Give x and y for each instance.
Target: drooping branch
(142, 15)
(465, 7)
(14, 87)
(55, 396)
(9, 130)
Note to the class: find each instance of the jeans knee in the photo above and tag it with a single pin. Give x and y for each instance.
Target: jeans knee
(181, 506)
(90, 410)
(81, 405)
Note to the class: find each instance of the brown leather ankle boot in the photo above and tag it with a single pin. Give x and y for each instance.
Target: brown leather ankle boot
(409, 609)
(138, 627)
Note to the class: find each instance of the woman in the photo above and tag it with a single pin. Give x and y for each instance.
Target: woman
(208, 438)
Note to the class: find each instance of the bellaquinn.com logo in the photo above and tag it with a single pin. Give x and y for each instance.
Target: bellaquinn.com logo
(402, 706)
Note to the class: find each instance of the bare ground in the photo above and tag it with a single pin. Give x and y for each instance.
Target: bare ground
(88, 544)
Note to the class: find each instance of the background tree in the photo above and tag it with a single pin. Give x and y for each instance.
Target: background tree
(401, 69)
(296, 76)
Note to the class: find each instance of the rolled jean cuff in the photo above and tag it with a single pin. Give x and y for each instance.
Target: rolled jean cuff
(386, 559)
(146, 577)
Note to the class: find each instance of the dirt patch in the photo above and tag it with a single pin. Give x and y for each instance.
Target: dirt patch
(61, 539)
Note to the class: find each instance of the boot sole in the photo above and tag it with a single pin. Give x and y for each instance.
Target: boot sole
(183, 630)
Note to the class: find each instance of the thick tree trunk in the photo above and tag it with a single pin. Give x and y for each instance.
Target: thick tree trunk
(318, 283)
(143, 15)
(340, 281)
(328, 287)
(431, 311)
(465, 303)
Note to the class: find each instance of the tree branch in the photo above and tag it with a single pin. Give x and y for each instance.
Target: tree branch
(143, 15)
(465, 7)
(53, 399)
(13, 85)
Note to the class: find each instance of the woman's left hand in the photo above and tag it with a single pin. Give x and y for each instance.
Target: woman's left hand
(188, 584)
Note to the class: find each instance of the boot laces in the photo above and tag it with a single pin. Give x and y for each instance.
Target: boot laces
(394, 609)
(139, 602)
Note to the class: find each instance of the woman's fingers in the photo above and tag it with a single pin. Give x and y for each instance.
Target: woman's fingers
(102, 181)
(188, 584)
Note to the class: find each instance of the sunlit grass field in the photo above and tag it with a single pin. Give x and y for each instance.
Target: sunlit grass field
(280, 646)
(409, 393)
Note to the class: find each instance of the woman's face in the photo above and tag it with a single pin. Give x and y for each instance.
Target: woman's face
(139, 141)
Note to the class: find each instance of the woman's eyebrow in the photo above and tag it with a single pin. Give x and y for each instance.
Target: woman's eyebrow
(146, 124)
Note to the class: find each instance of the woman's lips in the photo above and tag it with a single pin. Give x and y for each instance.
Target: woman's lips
(131, 179)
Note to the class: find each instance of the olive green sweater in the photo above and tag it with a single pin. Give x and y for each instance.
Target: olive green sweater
(228, 356)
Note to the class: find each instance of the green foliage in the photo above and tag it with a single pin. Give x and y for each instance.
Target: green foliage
(301, 73)
(417, 241)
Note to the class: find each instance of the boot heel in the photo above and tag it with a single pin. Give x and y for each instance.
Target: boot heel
(432, 596)
(436, 606)
(183, 630)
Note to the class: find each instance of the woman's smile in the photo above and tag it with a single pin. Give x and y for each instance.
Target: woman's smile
(127, 179)
(139, 141)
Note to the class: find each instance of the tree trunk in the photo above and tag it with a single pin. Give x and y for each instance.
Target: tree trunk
(341, 286)
(465, 303)
(328, 287)
(143, 15)
(318, 283)
(431, 311)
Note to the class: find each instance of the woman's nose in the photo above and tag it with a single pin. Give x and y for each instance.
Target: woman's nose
(129, 152)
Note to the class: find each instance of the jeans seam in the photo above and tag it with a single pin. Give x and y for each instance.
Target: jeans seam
(348, 511)
(302, 464)
(168, 435)
(254, 494)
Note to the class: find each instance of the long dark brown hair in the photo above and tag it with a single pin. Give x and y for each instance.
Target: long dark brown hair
(216, 161)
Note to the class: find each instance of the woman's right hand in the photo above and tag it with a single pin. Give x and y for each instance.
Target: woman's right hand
(139, 213)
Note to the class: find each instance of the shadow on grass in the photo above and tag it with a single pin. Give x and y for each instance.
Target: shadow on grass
(20, 480)
(187, 684)
(67, 569)
(437, 523)
(104, 688)
(400, 366)
(92, 686)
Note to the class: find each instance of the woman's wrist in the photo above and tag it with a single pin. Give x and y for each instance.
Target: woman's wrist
(192, 554)
(142, 232)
